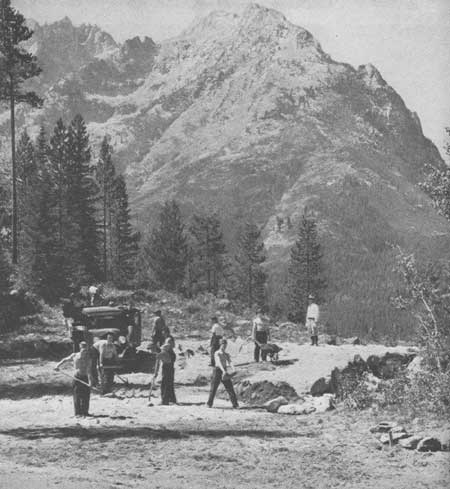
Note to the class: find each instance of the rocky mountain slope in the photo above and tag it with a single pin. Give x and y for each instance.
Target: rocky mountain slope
(248, 116)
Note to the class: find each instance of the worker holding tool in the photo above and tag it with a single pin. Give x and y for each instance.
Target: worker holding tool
(216, 336)
(222, 374)
(166, 359)
(260, 335)
(80, 386)
(107, 359)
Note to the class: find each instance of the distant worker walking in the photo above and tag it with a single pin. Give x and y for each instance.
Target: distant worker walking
(160, 331)
(221, 374)
(216, 336)
(312, 320)
(260, 335)
(80, 386)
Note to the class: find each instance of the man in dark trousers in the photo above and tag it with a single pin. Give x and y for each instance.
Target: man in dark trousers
(160, 331)
(261, 335)
(166, 359)
(80, 386)
(221, 374)
(216, 336)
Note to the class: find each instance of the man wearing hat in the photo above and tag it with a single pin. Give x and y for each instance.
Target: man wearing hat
(80, 386)
(160, 331)
(312, 319)
(166, 359)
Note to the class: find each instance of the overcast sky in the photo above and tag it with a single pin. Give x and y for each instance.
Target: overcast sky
(407, 40)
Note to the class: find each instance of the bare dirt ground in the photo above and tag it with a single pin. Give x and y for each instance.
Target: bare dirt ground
(125, 443)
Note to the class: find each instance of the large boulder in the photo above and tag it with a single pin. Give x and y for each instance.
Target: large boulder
(321, 386)
(429, 444)
(258, 393)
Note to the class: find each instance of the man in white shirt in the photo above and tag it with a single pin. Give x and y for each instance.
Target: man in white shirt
(221, 374)
(107, 357)
(260, 335)
(312, 320)
(216, 336)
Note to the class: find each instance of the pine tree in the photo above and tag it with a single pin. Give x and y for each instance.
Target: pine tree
(208, 250)
(58, 154)
(81, 203)
(125, 240)
(250, 256)
(166, 248)
(305, 269)
(105, 175)
(27, 174)
(43, 267)
(17, 66)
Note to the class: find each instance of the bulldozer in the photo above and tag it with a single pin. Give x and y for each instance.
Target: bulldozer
(125, 324)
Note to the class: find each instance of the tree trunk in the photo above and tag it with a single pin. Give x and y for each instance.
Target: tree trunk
(15, 238)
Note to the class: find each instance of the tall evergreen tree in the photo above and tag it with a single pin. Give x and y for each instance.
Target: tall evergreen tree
(208, 250)
(17, 66)
(125, 240)
(58, 154)
(105, 175)
(81, 202)
(27, 176)
(166, 248)
(250, 256)
(305, 269)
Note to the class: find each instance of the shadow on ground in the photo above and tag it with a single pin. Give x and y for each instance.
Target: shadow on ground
(109, 433)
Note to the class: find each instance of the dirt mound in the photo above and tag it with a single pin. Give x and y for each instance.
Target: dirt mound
(258, 393)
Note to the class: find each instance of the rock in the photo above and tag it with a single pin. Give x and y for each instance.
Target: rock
(305, 408)
(410, 442)
(444, 438)
(371, 382)
(415, 367)
(373, 363)
(392, 364)
(321, 386)
(323, 403)
(273, 405)
(429, 444)
(263, 391)
(200, 381)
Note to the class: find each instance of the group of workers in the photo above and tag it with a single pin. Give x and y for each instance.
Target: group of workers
(103, 355)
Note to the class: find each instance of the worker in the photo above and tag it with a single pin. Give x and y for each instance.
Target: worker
(260, 335)
(166, 359)
(216, 336)
(160, 331)
(312, 320)
(80, 386)
(107, 358)
(221, 373)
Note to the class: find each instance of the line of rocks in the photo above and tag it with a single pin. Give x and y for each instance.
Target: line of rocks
(391, 433)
